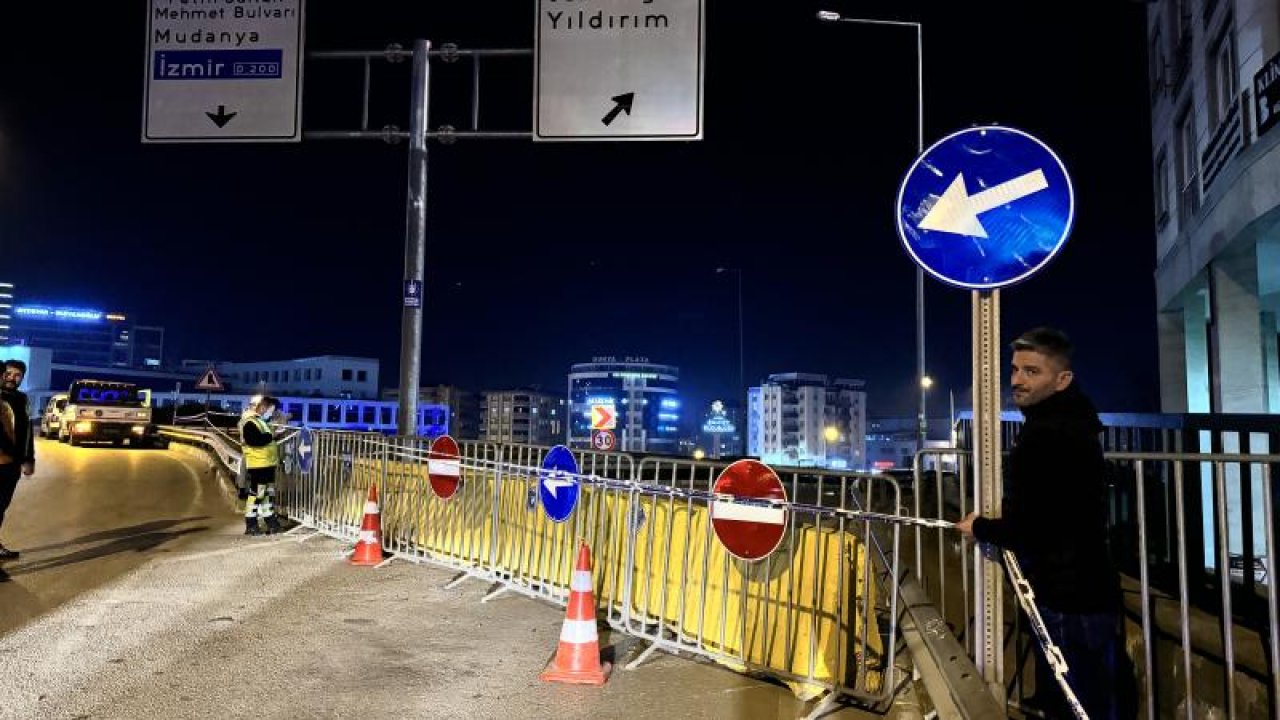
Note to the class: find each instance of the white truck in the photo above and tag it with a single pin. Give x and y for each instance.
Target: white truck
(98, 410)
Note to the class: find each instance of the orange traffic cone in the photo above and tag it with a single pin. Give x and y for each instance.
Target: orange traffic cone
(578, 657)
(369, 546)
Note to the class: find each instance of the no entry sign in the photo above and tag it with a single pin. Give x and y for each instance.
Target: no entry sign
(749, 530)
(444, 468)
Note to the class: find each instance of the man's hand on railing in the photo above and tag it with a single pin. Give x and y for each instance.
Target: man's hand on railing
(965, 526)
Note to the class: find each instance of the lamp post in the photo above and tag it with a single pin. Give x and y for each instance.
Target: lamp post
(835, 17)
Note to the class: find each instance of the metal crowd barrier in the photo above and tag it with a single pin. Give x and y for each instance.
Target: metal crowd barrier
(813, 614)
(1174, 538)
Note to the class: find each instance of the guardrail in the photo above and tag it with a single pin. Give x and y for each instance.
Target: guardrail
(1188, 519)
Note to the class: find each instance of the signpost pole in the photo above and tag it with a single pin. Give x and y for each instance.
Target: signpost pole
(989, 652)
(415, 240)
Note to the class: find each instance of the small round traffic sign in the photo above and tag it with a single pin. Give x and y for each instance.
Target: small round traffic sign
(751, 531)
(558, 483)
(985, 207)
(603, 440)
(444, 468)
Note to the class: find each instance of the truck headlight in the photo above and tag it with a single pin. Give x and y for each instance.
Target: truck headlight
(139, 429)
(84, 426)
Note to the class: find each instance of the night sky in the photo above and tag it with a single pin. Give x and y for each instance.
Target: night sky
(539, 256)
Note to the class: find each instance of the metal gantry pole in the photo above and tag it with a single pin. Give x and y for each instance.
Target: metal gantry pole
(989, 618)
(415, 240)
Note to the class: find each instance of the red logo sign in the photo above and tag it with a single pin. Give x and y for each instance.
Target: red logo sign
(751, 531)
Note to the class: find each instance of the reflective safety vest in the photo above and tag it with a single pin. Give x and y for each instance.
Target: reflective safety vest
(259, 457)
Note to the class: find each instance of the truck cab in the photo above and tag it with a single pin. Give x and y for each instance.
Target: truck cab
(98, 410)
(51, 419)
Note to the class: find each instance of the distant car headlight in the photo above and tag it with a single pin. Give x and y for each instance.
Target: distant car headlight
(139, 429)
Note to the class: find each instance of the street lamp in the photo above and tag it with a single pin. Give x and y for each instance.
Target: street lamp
(829, 16)
(698, 454)
(741, 375)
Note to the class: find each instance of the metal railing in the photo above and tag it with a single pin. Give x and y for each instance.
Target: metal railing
(818, 613)
(1189, 521)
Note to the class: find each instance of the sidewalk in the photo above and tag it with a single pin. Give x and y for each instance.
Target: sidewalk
(271, 627)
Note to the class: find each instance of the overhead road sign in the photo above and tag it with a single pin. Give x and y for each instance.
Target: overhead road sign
(223, 72)
(619, 70)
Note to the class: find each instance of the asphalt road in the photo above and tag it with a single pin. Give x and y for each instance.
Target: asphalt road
(137, 595)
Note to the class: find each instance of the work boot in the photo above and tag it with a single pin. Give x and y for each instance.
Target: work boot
(7, 554)
(273, 525)
(251, 526)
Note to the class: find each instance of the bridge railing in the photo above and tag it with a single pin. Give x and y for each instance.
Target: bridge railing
(1194, 535)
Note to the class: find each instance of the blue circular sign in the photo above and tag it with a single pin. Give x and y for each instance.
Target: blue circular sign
(306, 448)
(558, 483)
(985, 207)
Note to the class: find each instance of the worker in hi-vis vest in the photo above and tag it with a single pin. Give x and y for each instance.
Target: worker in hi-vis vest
(261, 455)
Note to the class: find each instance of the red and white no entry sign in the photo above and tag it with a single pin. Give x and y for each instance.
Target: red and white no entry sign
(750, 532)
(444, 468)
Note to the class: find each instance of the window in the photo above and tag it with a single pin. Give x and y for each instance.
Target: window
(1222, 72)
(368, 414)
(297, 375)
(319, 374)
(346, 374)
(306, 374)
(386, 416)
(1161, 189)
(362, 376)
(314, 413)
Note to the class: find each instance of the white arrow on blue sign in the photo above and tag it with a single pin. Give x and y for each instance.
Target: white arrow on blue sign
(985, 207)
(306, 445)
(558, 483)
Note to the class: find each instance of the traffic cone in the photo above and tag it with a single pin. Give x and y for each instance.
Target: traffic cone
(369, 546)
(578, 657)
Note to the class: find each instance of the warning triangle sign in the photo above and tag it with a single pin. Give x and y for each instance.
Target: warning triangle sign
(210, 380)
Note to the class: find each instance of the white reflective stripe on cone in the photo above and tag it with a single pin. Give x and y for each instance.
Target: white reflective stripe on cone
(452, 468)
(578, 631)
(721, 510)
(369, 536)
(371, 508)
(581, 581)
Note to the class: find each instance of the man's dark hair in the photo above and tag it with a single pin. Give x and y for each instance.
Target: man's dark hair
(271, 401)
(1047, 341)
(15, 363)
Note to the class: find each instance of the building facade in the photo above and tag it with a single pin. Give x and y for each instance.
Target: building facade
(645, 400)
(83, 336)
(1214, 71)
(331, 376)
(464, 407)
(523, 417)
(6, 312)
(808, 420)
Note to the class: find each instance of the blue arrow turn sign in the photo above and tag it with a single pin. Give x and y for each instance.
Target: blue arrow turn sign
(985, 207)
(558, 483)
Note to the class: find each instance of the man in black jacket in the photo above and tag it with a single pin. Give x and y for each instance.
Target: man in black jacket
(1053, 519)
(17, 443)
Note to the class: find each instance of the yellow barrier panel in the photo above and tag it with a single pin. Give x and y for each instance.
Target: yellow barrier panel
(797, 613)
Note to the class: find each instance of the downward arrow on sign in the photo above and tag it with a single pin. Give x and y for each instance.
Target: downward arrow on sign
(957, 211)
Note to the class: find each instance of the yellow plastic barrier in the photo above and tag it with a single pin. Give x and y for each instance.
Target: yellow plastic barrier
(797, 614)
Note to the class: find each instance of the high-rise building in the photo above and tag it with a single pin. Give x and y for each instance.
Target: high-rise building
(85, 336)
(805, 419)
(464, 407)
(6, 311)
(523, 417)
(644, 397)
(1215, 106)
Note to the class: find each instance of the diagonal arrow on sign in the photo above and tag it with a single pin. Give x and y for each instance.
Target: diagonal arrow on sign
(957, 211)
